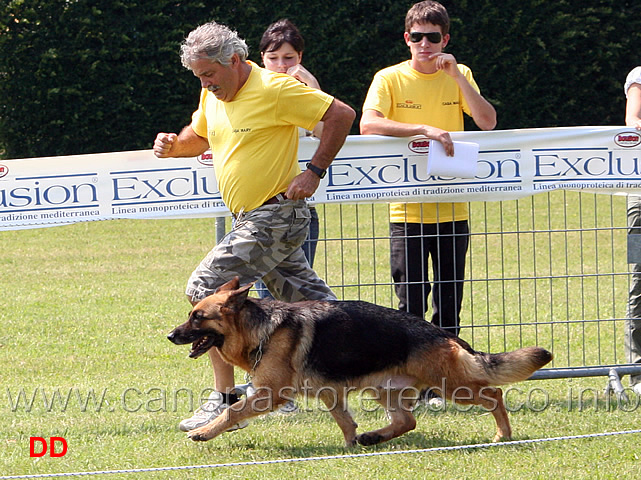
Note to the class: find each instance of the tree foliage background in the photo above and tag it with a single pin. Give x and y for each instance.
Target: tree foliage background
(88, 76)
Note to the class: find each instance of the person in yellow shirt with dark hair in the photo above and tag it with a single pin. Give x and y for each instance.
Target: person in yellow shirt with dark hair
(249, 117)
(428, 96)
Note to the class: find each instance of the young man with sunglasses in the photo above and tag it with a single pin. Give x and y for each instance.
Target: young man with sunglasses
(427, 95)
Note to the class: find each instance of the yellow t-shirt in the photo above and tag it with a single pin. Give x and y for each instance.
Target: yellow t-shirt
(405, 95)
(254, 137)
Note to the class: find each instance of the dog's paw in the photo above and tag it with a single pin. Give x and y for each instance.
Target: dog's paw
(198, 435)
(500, 438)
(351, 443)
(369, 439)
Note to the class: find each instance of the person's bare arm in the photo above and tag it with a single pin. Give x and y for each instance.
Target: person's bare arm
(337, 121)
(633, 107)
(186, 144)
(481, 110)
(374, 123)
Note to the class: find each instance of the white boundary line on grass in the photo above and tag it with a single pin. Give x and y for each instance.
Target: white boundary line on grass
(329, 457)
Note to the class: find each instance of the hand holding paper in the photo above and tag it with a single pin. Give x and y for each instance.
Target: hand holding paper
(462, 164)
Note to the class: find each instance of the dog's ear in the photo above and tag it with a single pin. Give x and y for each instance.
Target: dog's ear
(233, 284)
(237, 298)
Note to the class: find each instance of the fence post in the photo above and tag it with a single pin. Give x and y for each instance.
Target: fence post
(614, 385)
(220, 228)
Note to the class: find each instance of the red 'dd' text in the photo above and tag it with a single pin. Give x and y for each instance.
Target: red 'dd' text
(38, 447)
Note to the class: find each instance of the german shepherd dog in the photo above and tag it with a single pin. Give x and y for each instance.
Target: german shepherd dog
(333, 348)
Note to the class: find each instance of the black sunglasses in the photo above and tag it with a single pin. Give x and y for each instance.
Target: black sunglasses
(432, 37)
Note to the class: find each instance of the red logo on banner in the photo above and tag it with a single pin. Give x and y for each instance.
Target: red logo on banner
(627, 139)
(207, 158)
(3, 170)
(419, 146)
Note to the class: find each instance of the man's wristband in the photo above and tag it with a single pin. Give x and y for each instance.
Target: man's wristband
(321, 172)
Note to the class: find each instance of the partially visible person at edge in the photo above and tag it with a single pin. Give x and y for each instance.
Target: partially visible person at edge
(427, 95)
(281, 50)
(632, 334)
(249, 117)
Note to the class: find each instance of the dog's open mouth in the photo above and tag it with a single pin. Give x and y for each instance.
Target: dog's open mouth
(201, 345)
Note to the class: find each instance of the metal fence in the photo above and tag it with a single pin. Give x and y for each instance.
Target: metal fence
(548, 270)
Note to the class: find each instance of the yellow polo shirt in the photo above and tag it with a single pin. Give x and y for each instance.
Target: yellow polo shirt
(402, 94)
(254, 137)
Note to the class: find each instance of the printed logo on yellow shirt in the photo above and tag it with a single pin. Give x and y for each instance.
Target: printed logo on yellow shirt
(409, 104)
(241, 130)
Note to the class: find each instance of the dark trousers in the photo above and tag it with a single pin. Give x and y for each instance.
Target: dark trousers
(632, 323)
(445, 244)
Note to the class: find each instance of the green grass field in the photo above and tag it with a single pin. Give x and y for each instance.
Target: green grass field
(85, 310)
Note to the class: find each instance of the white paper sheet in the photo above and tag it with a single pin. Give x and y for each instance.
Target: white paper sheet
(462, 164)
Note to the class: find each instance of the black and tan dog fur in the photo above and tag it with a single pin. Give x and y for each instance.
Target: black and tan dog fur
(332, 348)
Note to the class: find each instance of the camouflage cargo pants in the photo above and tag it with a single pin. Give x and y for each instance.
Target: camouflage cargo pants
(265, 242)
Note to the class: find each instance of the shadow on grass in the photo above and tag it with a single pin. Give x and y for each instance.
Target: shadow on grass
(409, 441)
(304, 445)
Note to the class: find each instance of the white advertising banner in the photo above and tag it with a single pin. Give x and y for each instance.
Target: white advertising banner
(40, 192)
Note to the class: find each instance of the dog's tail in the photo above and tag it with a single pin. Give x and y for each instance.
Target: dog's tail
(515, 366)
